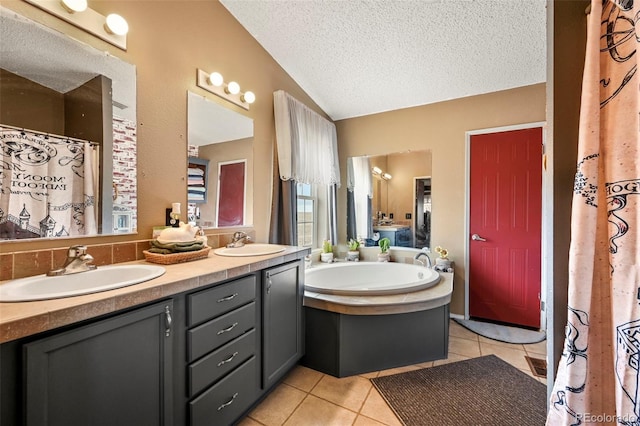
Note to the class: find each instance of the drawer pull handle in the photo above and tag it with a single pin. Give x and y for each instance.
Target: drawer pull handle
(224, 361)
(224, 330)
(229, 402)
(225, 299)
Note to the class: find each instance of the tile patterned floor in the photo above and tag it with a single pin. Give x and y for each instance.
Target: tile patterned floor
(307, 397)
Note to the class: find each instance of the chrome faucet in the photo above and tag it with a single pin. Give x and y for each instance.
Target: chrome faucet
(239, 238)
(78, 260)
(425, 254)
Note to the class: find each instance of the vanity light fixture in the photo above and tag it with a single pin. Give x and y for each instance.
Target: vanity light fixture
(216, 79)
(232, 88)
(73, 6)
(116, 24)
(112, 29)
(215, 84)
(377, 172)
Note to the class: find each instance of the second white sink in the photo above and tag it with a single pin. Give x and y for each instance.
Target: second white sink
(42, 287)
(254, 249)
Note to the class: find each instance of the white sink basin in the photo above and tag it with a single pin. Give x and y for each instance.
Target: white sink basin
(42, 287)
(255, 249)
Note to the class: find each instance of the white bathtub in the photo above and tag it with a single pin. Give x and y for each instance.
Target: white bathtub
(369, 278)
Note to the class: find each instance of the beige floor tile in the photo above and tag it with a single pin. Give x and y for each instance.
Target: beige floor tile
(303, 378)
(366, 421)
(450, 359)
(248, 421)
(463, 347)
(457, 330)
(317, 412)
(348, 392)
(514, 357)
(539, 348)
(499, 343)
(278, 406)
(371, 375)
(398, 370)
(375, 407)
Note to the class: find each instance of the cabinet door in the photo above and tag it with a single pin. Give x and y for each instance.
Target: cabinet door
(283, 344)
(113, 372)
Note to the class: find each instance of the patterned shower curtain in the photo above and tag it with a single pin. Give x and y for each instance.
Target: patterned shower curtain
(47, 186)
(598, 375)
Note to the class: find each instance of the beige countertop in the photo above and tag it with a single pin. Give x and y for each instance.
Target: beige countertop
(21, 319)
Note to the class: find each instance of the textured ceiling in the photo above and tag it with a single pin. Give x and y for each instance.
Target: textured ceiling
(357, 57)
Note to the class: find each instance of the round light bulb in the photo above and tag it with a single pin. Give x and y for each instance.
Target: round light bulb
(73, 6)
(116, 24)
(215, 78)
(249, 97)
(233, 88)
(377, 170)
(387, 176)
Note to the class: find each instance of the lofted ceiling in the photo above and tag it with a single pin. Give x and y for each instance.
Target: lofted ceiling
(360, 57)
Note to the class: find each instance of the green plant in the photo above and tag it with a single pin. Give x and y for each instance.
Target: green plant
(327, 247)
(384, 244)
(353, 245)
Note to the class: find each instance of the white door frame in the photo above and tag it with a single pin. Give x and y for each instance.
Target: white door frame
(545, 208)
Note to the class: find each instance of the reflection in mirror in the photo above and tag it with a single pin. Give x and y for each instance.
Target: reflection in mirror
(220, 178)
(400, 198)
(68, 145)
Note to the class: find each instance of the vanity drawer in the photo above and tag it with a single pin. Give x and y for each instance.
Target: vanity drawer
(221, 361)
(217, 300)
(224, 402)
(215, 333)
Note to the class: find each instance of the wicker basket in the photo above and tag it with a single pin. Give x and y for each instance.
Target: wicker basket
(170, 259)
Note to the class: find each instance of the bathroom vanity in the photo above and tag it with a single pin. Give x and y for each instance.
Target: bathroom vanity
(399, 236)
(210, 340)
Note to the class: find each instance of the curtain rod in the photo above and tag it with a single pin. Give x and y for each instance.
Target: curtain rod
(69, 138)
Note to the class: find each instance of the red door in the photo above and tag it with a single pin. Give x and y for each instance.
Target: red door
(231, 186)
(505, 226)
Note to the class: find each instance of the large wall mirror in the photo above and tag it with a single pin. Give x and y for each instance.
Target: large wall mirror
(68, 135)
(220, 165)
(396, 200)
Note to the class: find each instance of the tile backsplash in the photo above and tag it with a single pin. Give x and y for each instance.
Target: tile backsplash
(23, 264)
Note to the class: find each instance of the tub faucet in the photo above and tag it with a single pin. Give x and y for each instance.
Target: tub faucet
(427, 263)
(239, 238)
(78, 260)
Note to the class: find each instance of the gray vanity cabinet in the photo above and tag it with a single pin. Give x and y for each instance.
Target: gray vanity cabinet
(116, 371)
(283, 328)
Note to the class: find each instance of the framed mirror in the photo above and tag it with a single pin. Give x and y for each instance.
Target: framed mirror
(220, 165)
(397, 205)
(68, 145)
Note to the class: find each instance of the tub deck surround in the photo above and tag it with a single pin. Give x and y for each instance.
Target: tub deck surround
(433, 297)
(21, 319)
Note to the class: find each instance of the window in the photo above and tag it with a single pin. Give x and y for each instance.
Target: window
(307, 215)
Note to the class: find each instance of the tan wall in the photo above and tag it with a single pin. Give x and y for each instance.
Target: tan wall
(168, 41)
(440, 128)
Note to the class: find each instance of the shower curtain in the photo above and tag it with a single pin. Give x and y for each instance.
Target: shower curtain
(47, 185)
(597, 380)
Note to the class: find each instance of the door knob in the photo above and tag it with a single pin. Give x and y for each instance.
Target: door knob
(476, 237)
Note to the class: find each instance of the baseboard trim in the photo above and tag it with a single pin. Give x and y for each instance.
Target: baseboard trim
(456, 316)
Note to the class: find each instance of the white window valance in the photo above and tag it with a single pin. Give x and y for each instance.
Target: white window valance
(307, 143)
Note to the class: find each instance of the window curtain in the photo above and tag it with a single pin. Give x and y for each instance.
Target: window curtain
(306, 152)
(307, 143)
(359, 198)
(282, 229)
(47, 185)
(597, 379)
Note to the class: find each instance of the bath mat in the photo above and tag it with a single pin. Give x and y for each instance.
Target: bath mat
(503, 333)
(478, 391)
(538, 366)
